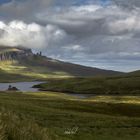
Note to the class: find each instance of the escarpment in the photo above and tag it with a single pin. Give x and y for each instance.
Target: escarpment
(10, 53)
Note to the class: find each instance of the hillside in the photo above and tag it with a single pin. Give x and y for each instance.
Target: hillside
(19, 60)
(57, 66)
(116, 85)
(135, 73)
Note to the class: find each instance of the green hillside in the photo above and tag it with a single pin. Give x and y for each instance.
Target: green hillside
(13, 77)
(56, 66)
(21, 61)
(117, 85)
(135, 73)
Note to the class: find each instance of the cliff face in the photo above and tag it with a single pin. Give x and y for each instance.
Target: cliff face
(10, 53)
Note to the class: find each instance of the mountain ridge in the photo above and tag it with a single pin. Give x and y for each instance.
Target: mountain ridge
(23, 61)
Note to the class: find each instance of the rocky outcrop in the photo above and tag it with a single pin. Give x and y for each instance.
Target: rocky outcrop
(9, 53)
(10, 88)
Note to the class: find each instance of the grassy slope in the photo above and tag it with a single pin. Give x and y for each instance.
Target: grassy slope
(128, 84)
(56, 66)
(136, 73)
(13, 77)
(40, 67)
(37, 67)
(47, 116)
(11, 71)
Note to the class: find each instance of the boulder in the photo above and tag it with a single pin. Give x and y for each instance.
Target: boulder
(10, 88)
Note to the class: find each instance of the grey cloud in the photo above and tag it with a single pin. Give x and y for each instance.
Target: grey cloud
(82, 32)
(23, 10)
(19, 33)
(127, 3)
(94, 20)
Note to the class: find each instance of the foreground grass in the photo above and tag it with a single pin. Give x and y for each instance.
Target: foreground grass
(53, 116)
(117, 85)
(15, 127)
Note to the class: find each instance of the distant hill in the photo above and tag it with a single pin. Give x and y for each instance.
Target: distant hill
(136, 73)
(115, 85)
(53, 65)
(20, 60)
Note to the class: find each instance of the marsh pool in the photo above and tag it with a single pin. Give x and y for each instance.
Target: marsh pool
(22, 86)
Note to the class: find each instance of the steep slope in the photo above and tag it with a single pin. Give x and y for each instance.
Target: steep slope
(13, 53)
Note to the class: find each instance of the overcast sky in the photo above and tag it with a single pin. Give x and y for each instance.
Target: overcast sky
(98, 33)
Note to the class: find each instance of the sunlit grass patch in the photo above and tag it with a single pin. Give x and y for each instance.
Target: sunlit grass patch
(11, 66)
(115, 99)
(34, 72)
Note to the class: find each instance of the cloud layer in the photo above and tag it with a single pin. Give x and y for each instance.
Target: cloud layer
(90, 32)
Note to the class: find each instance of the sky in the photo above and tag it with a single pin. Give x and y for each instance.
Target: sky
(97, 33)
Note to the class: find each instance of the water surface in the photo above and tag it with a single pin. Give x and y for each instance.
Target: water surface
(27, 87)
(22, 86)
